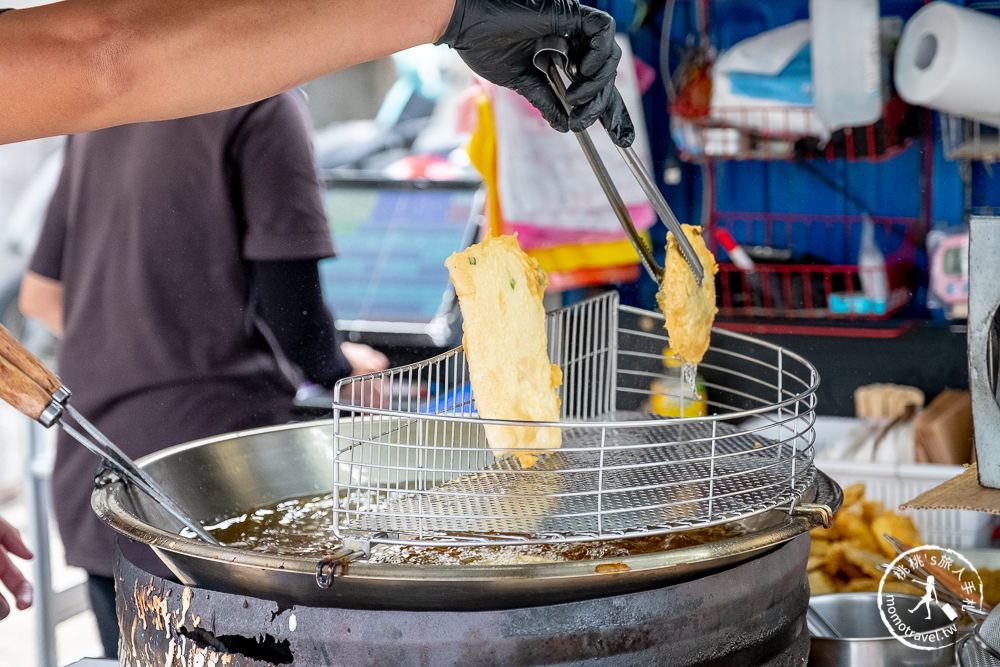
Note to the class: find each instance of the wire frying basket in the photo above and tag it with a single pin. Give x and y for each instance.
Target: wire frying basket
(415, 468)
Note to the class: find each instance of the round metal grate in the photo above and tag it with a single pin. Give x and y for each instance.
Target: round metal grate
(421, 471)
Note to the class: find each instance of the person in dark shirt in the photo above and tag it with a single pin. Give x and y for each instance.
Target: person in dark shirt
(80, 65)
(178, 260)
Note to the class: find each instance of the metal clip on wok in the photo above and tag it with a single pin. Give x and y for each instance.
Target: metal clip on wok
(27, 385)
(552, 59)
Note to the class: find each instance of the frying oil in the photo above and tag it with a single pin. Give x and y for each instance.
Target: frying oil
(678, 391)
(296, 527)
(301, 527)
(689, 378)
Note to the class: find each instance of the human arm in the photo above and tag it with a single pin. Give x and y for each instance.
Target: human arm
(41, 298)
(83, 64)
(289, 300)
(286, 233)
(78, 65)
(363, 358)
(13, 580)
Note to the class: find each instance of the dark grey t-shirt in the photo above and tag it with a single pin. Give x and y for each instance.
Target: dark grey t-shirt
(150, 232)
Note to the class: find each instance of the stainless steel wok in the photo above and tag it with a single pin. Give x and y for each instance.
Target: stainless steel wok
(228, 474)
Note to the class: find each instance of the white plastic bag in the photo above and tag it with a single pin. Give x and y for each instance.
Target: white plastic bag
(544, 178)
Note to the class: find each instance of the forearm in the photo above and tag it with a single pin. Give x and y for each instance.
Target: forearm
(41, 298)
(82, 64)
(289, 301)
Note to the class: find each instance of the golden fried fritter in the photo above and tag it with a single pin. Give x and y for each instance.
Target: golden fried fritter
(499, 290)
(689, 310)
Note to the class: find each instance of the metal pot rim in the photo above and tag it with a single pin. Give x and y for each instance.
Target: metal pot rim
(780, 528)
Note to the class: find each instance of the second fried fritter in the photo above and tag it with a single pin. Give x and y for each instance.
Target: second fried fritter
(689, 310)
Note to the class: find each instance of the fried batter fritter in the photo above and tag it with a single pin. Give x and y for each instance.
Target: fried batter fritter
(689, 310)
(499, 290)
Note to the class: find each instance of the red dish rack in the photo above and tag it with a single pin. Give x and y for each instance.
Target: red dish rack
(815, 283)
(786, 133)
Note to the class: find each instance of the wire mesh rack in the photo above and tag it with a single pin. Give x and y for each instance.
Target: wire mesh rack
(413, 464)
(785, 133)
(967, 139)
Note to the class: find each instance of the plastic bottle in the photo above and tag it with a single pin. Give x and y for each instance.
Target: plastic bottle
(846, 61)
(672, 396)
(871, 267)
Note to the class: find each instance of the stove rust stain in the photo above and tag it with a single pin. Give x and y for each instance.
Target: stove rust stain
(171, 647)
(163, 616)
(151, 608)
(186, 595)
(135, 623)
(140, 596)
(190, 653)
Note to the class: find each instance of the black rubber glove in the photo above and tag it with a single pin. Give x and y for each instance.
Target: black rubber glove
(497, 39)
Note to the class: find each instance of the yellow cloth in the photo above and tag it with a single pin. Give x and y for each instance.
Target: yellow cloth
(483, 154)
(590, 255)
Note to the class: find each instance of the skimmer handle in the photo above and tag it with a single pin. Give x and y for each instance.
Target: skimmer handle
(33, 390)
(13, 350)
(20, 391)
(26, 384)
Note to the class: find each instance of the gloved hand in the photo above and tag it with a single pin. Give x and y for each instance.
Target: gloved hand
(497, 39)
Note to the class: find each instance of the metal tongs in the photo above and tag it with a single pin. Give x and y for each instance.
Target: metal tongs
(552, 59)
(31, 388)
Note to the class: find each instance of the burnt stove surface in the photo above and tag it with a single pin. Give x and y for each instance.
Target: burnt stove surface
(751, 614)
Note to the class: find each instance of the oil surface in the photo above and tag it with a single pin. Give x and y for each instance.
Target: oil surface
(302, 527)
(296, 527)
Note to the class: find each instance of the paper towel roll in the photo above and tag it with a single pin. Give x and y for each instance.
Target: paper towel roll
(947, 60)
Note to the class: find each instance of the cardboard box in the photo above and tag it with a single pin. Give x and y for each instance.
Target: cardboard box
(942, 432)
(958, 493)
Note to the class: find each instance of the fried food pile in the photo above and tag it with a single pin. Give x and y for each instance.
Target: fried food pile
(991, 585)
(689, 310)
(499, 290)
(846, 557)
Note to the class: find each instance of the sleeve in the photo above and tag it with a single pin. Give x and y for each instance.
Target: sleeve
(288, 299)
(282, 202)
(48, 256)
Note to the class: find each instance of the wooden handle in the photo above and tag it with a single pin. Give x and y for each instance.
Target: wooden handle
(17, 355)
(21, 391)
(950, 581)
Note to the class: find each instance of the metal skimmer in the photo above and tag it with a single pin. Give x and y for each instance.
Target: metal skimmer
(416, 468)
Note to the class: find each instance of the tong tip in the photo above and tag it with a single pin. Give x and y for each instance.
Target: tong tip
(698, 270)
